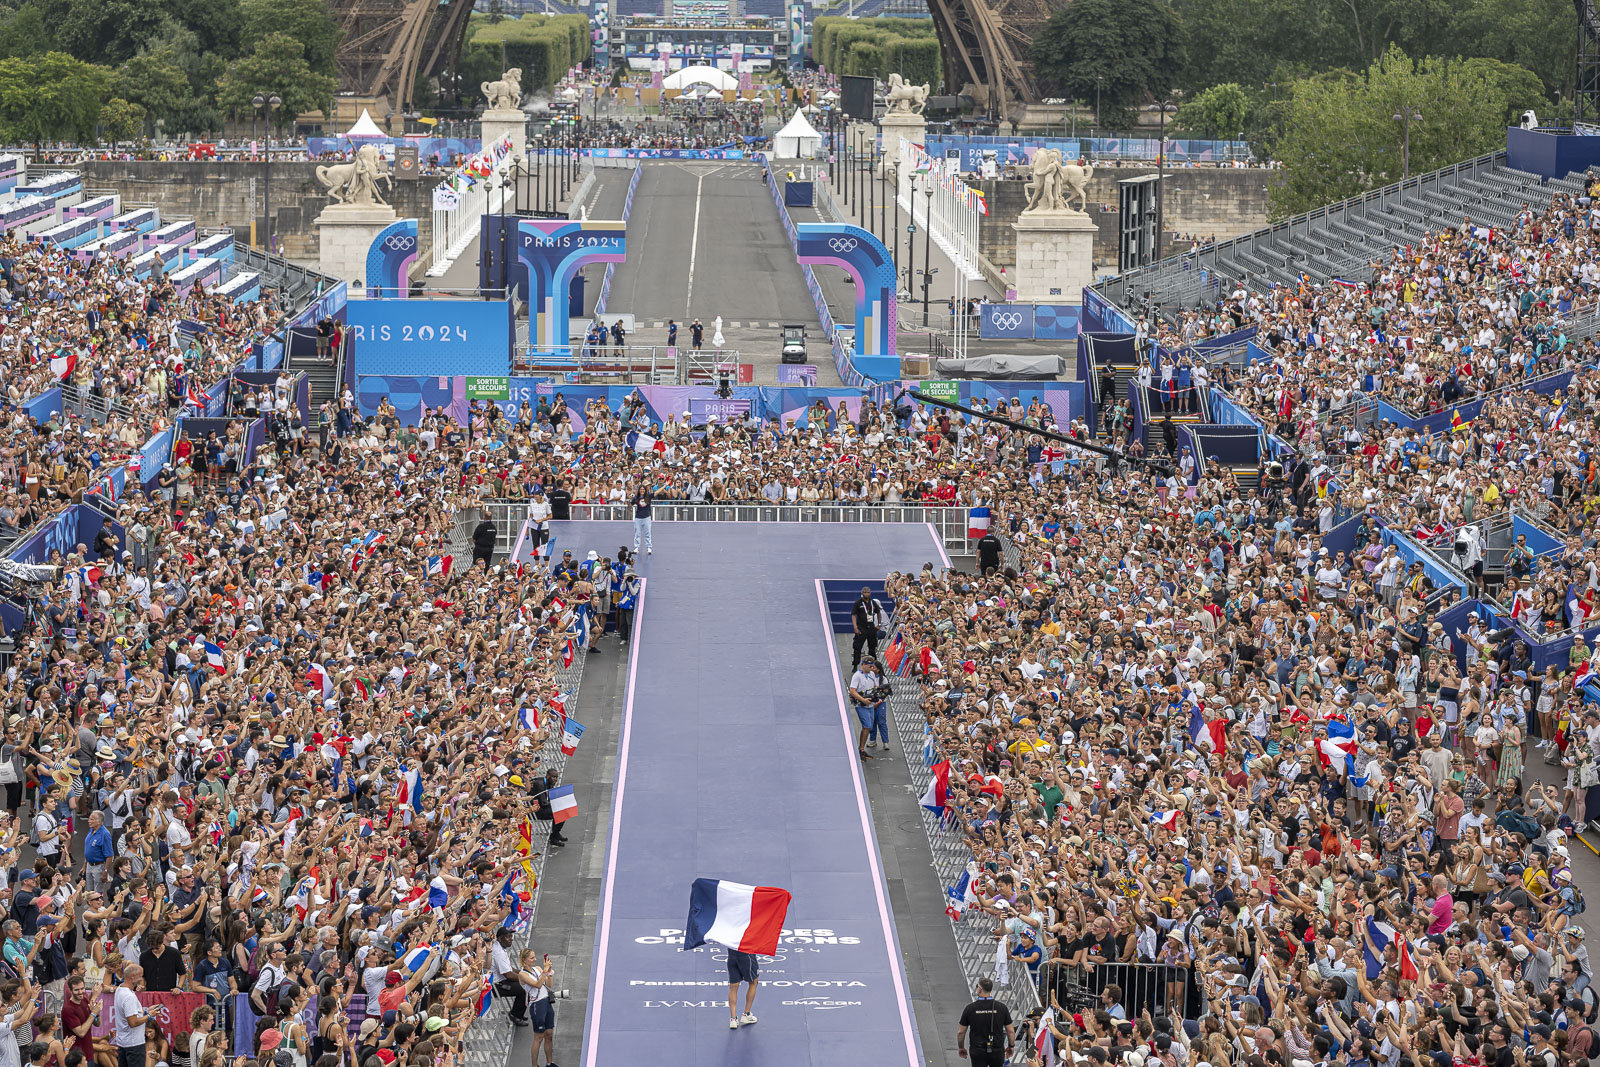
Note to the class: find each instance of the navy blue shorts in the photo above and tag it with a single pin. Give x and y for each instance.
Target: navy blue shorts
(742, 967)
(542, 1014)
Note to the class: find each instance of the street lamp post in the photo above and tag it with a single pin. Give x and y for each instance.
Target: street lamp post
(266, 105)
(1161, 172)
(872, 192)
(927, 245)
(1406, 115)
(1098, 78)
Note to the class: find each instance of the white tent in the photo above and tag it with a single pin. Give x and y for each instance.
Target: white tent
(717, 79)
(365, 127)
(798, 140)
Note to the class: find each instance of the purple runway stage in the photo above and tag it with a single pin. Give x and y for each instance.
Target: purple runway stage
(736, 761)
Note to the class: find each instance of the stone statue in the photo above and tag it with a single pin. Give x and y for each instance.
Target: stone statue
(1054, 183)
(505, 94)
(356, 182)
(906, 99)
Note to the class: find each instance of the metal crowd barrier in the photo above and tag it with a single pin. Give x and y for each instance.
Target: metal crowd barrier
(1158, 988)
(974, 932)
(488, 1042)
(951, 523)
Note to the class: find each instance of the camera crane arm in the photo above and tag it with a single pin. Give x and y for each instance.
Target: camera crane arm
(1156, 465)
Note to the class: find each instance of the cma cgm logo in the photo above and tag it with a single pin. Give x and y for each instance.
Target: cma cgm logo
(406, 333)
(798, 936)
(570, 240)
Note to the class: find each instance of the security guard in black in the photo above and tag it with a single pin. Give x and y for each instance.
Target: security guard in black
(986, 1024)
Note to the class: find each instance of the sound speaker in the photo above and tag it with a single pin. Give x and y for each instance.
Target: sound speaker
(855, 97)
(1136, 224)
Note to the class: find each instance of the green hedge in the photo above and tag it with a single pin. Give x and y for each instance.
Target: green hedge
(907, 47)
(544, 47)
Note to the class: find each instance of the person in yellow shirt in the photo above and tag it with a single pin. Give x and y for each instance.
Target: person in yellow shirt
(1491, 493)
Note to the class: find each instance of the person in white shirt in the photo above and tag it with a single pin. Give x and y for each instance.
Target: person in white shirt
(505, 977)
(128, 1018)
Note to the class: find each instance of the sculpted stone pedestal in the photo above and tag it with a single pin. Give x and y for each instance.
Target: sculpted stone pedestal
(497, 124)
(1055, 256)
(344, 233)
(897, 125)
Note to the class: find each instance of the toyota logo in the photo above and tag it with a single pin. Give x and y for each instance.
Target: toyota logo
(842, 244)
(1009, 320)
(399, 242)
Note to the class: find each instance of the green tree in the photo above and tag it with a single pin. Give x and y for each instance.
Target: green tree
(1341, 137)
(23, 32)
(1219, 112)
(121, 120)
(1134, 48)
(51, 96)
(104, 31)
(278, 65)
(154, 83)
(307, 21)
(1246, 41)
(180, 47)
(496, 13)
(1541, 35)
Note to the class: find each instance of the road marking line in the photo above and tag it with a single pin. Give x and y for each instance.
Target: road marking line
(694, 243)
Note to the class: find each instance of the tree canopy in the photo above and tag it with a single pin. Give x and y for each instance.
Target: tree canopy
(1342, 136)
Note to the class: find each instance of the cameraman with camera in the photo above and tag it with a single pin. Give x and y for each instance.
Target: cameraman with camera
(870, 694)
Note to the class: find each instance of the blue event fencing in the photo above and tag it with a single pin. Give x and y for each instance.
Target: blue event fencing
(1102, 316)
(666, 153)
(842, 360)
(44, 407)
(1028, 322)
(410, 394)
(1541, 540)
(1226, 412)
(970, 152)
(1411, 552)
(611, 268)
(447, 148)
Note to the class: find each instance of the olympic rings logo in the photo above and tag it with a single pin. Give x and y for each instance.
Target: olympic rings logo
(842, 244)
(400, 242)
(1009, 320)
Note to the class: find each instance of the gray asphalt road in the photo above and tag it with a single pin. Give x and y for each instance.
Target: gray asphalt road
(705, 240)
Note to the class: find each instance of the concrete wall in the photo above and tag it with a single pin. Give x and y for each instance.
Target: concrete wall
(1204, 201)
(221, 195)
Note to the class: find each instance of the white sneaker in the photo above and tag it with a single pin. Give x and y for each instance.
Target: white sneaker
(733, 1024)
(747, 1019)
(649, 551)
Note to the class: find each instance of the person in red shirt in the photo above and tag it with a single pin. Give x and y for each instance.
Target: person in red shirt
(79, 1014)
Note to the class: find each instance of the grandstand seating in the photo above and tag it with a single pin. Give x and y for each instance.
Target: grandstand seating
(1341, 240)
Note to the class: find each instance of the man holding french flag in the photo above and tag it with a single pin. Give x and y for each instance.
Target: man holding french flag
(746, 920)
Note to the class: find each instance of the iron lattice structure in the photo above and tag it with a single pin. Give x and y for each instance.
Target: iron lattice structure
(1586, 91)
(988, 44)
(387, 43)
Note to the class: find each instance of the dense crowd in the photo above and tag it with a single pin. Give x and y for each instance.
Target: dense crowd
(95, 326)
(283, 752)
(1231, 799)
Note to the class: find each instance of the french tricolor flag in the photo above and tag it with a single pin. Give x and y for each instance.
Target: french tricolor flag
(747, 918)
(933, 797)
(563, 804)
(571, 736)
(408, 793)
(214, 657)
(439, 566)
(1380, 936)
(1165, 819)
(977, 523)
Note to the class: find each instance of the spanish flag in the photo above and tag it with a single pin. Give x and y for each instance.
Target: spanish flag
(1457, 423)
